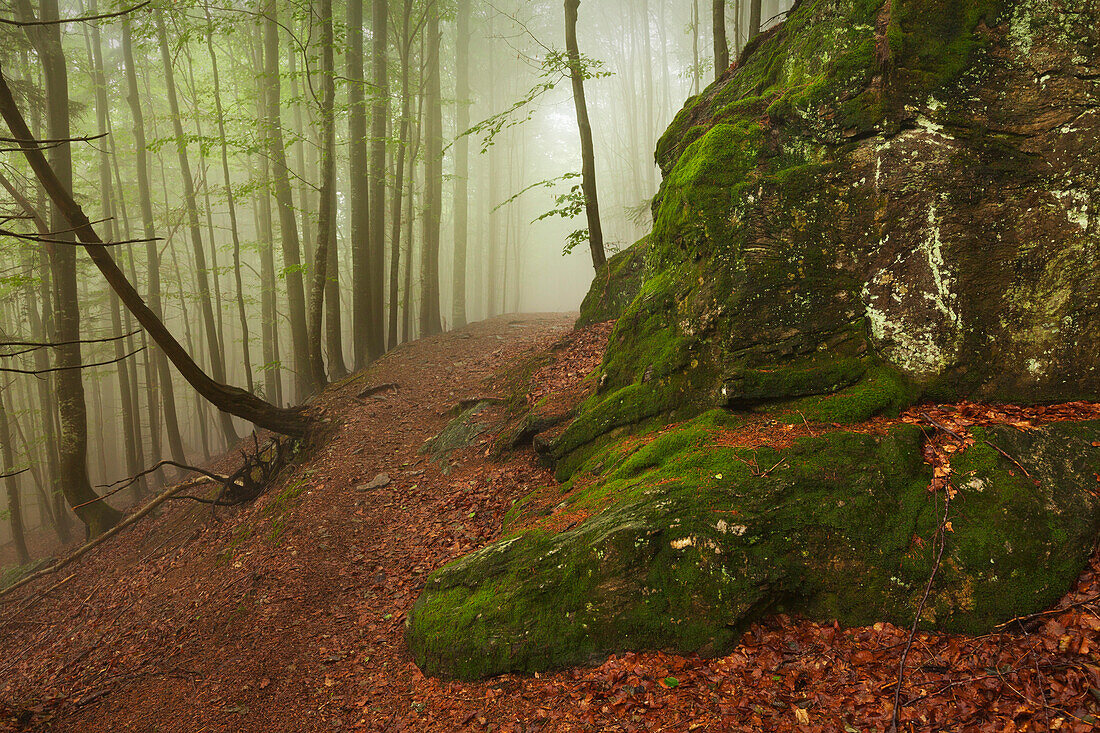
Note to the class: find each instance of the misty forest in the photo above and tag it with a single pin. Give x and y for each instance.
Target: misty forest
(529, 365)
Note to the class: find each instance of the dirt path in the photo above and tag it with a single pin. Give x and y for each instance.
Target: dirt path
(287, 615)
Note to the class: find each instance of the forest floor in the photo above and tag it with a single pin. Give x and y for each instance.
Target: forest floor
(288, 614)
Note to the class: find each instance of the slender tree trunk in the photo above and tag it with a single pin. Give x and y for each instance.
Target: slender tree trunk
(292, 251)
(462, 163)
(217, 358)
(405, 49)
(754, 19)
(328, 196)
(721, 46)
(588, 156)
(696, 74)
(15, 506)
(359, 193)
(232, 204)
(130, 438)
(163, 377)
(97, 516)
(380, 116)
(430, 318)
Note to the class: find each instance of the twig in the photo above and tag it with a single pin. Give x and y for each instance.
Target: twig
(88, 547)
(941, 534)
(369, 391)
(1050, 612)
(996, 448)
(13, 473)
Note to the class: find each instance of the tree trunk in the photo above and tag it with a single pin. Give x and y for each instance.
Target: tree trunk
(226, 398)
(130, 437)
(405, 49)
(588, 156)
(292, 251)
(379, 117)
(358, 192)
(97, 516)
(462, 163)
(430, 319)
(15, 507)
(721, 46)
(232, 204)
(152, 257)
(754, 19)
(328, 197)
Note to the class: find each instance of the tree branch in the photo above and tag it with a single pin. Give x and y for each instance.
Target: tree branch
(81, 19)
(232, 400)
(38, 372)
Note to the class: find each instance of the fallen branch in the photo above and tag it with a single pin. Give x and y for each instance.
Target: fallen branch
(121, 484)
(89, 546)
(999, 450)
(370, 391)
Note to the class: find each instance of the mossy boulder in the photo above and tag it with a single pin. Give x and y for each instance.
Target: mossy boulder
(615, 285)
(882, 202)
(688, 540)
(911, 183)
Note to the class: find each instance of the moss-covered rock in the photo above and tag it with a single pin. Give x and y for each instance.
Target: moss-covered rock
(615, 285)
(882, 202)
(914, 181)
(686, 541)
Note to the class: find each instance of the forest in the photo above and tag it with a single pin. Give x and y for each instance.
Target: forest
(549, 365)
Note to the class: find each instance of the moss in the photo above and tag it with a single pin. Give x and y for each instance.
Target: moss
(687, 546)
(615, 285)
(883, 390)
(687, 542)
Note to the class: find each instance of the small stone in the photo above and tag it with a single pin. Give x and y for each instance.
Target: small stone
(380, 481)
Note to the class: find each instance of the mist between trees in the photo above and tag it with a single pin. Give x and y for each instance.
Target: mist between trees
(350, 174)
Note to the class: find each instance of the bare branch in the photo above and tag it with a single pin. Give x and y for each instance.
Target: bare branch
(82, 19)
(13, 473)
(49, 240)
(38, 372)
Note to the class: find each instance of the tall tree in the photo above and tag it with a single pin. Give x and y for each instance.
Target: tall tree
(231, 203)
(163, 377)
(721, 46)
(358, 191)
(288, 222)
(462, 163)
(327, 216)
(754, 18)
(430, 318)
(11, 482)
(97, 516)
(577, 72)
(214, 347)
(404, 51)
(130, 438)
(380, 117)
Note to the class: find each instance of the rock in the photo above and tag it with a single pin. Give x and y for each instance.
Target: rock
(880, 203)
(687, 546)
(615, 286)
(380, 481)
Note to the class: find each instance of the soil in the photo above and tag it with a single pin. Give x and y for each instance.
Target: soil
(288, 614)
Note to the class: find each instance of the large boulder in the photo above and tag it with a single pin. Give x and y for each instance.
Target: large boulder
(883, 202)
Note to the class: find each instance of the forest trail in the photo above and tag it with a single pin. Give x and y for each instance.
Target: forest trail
(288, 614)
